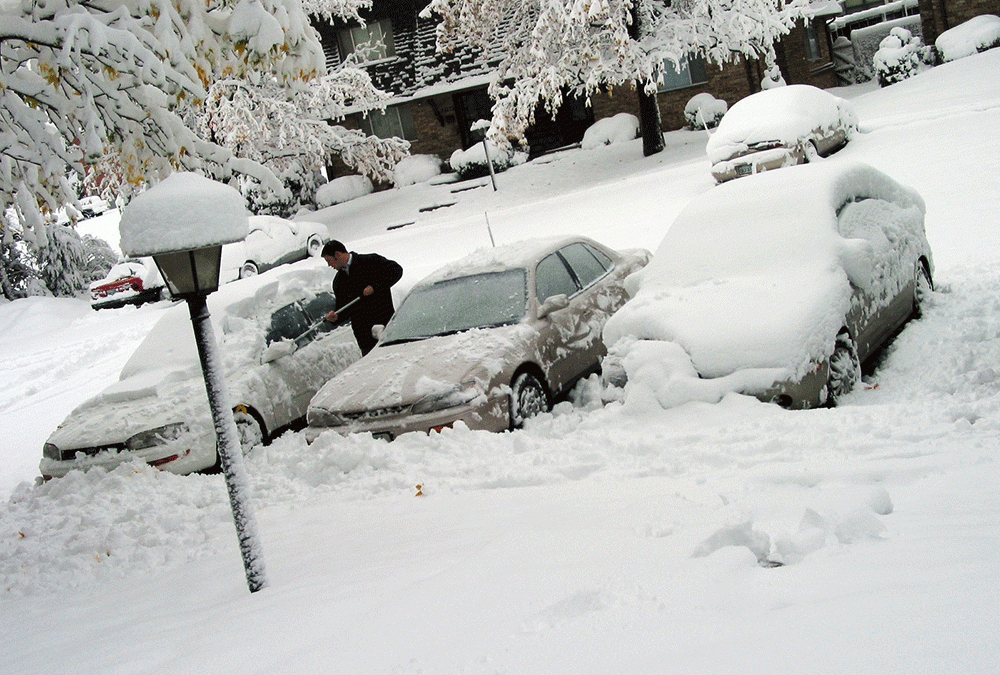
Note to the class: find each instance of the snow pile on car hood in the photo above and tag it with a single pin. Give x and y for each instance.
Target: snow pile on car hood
(754, 273)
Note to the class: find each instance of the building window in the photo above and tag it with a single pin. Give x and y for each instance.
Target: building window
(692, 71)
(395, 122)
(813, 51)
(372, 42)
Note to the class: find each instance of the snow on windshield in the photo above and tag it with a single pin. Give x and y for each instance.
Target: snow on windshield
(453, 305)
(782, 114)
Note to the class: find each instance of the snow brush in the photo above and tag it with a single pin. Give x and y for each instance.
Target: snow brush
(276, 350)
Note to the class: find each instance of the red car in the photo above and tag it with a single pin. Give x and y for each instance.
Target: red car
(128, 283)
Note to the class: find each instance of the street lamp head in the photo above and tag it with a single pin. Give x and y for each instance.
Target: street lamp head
(182, 222)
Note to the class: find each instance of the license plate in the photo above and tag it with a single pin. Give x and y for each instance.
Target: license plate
(744, 170)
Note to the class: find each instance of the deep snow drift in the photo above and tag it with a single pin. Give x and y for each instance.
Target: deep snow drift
(627, 538)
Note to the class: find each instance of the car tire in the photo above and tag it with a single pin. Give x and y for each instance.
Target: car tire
(528, 397)
(314, 246)
(845, 369)
(250, 429)
(249, 269)
(922, 288)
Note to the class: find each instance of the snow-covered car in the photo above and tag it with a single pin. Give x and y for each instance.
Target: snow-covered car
(93, 206)
(779, 127)
(272, 241)
(134, 282)
(158, 410)
(485, 341)
(778, 286)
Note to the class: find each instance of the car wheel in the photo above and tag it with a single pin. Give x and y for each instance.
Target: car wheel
(922, 287)
(314, 245)
(529, 397)
(249, 269)
(845, 369)
(250, 430)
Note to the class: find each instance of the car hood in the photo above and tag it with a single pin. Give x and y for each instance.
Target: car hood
(400, 374)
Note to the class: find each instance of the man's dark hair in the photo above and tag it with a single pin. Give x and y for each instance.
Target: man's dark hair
(333, 246)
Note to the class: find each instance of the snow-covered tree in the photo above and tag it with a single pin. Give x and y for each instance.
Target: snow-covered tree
(119, 79)
(289, 132)
(62, 262)
(579, 47)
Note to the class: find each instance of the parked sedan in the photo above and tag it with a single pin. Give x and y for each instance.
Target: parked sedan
(134, 282)
(779, 286)
(779, 127)
(158, 410)
(272, 241)
(486, 342)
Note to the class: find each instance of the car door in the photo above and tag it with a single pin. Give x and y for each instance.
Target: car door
(571, 344)
(883, 299)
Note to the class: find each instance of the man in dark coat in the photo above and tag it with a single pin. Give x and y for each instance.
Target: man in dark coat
(368, 276)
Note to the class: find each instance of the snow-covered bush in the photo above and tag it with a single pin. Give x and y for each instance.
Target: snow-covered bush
(62, 262)
(617, 129)
(866, 41)
(975, 35)
(416, 169)
(898, 57)
(471, 163)
(343, 189)
(704, 111)
(773, 78)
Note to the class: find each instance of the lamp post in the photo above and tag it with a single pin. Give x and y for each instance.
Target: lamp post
(208, 214)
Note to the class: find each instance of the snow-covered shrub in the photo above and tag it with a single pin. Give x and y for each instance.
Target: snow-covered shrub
(416, 169)
(704, 111)
(343, 189)
(866, 41)
(898, 57)
(617, 129)
(773, 78)
(471, 163)
(62, 262)
(975, 35)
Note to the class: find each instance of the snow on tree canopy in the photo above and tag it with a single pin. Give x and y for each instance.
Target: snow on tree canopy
(185, 211)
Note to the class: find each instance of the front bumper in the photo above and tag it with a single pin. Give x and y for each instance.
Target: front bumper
(491, 415)
(193, 452)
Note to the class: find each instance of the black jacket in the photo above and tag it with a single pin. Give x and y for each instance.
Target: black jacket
(367, 269)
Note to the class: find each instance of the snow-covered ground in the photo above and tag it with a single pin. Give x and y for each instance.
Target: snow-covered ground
(617, 539)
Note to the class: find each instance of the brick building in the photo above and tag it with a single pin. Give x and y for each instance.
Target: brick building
(436, 98)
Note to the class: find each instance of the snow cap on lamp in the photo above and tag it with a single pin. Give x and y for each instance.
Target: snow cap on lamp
(185, 211)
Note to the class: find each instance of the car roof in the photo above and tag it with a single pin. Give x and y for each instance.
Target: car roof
(517, 255)
(772, 219)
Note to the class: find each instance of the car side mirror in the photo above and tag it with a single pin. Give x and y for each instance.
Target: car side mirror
(377, 331)
(553, 304)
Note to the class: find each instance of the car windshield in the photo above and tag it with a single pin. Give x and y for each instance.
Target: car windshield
(454, 305)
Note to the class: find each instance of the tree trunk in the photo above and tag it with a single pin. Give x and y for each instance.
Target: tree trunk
(649, 110)
(649, 124)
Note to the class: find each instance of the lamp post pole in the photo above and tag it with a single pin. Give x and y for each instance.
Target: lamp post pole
(228, 445)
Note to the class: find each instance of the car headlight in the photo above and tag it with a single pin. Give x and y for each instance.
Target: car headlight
(157, 436)
(51, 451)
(460, 395)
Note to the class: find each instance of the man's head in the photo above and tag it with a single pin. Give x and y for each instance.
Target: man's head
(336, 255)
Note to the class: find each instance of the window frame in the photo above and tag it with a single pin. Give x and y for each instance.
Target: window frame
(672, 79)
